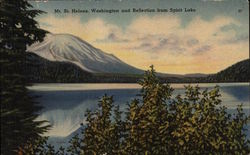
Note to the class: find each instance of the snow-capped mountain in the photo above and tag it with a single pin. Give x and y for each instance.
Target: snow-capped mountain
(69, 48)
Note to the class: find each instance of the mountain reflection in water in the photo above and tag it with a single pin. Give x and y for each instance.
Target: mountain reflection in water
(65, 107)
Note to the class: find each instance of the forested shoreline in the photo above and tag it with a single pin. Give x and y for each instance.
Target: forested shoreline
(41, 70)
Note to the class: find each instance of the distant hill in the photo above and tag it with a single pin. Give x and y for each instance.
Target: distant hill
(195, 75)
(239, 72)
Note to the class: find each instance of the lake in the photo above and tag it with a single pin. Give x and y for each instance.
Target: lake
(65, 104)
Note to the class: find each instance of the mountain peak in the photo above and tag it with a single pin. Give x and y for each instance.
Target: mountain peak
(69, 48)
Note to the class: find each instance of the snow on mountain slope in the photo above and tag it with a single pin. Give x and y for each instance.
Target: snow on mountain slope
(69, 48)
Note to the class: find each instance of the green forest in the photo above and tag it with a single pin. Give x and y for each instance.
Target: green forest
(157, 124)
(239, 72)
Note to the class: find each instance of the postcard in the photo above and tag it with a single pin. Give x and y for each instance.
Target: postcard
(125, 77)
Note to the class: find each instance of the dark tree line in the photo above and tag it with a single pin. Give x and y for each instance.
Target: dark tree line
(18, 109)
(239, 72)
(41, 70)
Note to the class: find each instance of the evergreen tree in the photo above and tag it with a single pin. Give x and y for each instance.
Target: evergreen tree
(153, 112)
(132, 132)
(117, 131)
(97, 137)
(75, 145)
(18, 29)
(203, 126)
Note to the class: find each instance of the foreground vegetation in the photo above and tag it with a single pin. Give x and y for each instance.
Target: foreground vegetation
(159, 123)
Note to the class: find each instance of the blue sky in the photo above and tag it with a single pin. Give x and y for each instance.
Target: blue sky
(213, 37)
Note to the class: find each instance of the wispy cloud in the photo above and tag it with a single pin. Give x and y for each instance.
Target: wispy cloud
(159, 43)
(192, 42)
(112, 37)
(237, 39)
(203, 49)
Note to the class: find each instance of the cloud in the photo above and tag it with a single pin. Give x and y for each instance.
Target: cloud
(171, 43)
(145, 46)
(166, 33)
(158, 43)
(203, 49)
(206, 30)
(192, 42)
(91, 30)
(156, 25)
(112, 37)
(237, 39)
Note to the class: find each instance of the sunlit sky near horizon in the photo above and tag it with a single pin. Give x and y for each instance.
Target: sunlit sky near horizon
(208, 40)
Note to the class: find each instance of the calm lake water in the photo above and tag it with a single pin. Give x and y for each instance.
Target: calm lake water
(65, 104)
